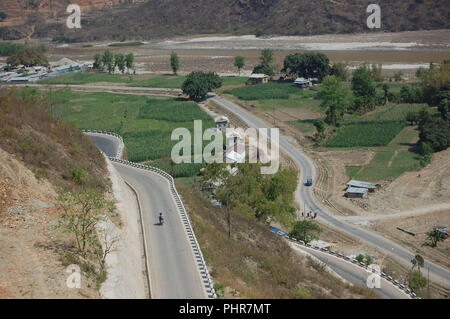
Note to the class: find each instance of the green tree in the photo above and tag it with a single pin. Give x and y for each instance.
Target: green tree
(198, 84)
(305, 230)
(239, 62)
(340, 70)
(129, 61)
(82, 211)
(436, 132)
(385, 93)
(307, 65)
(444, 105)
(398, 76)
(435, 236)
(119, 62)
(174, 62)
(335, 97)
(2, 16)
(98, 62)
(108, 61)
(266, 63)
(360, 258)
(319, 124)
(363, 90)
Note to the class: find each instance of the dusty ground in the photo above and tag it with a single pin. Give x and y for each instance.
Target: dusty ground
(419, 225)
(30, 262)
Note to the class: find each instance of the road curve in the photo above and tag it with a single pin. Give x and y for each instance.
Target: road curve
(173, 270)
(355, 274)
(304, 195)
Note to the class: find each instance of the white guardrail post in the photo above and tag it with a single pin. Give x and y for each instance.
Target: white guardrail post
(201, 264)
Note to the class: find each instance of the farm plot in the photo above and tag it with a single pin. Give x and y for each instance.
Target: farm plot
(365, 134)
(271, 90)
(145, 123)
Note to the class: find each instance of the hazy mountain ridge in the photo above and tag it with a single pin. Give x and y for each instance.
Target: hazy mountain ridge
(145, 19)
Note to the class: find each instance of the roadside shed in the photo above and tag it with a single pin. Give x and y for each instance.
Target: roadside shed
(302, 83)
(257, 78)
(354, 192)
(361, 184)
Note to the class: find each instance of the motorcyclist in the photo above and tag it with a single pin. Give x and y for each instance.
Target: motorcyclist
(161, 219)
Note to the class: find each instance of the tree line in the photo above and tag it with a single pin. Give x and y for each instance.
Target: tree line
(111, 61)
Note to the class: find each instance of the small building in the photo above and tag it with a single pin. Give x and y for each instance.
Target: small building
(222, 123)
(354, 192)
(257, 78)
(302, 83)
(371, 187)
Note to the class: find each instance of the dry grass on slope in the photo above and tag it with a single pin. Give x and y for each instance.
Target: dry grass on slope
(48, 146)
(254, 263)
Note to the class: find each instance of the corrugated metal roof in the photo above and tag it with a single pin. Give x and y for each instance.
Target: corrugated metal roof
(354, 190)
(361, 184)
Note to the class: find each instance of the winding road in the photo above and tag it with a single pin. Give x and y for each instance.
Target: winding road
(173, 270)
(304, 196)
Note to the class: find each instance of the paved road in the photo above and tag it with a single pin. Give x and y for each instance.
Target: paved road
(304, 195)
(355, 274)
(173, 270)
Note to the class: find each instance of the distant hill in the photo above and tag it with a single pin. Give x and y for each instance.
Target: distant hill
(145, 19)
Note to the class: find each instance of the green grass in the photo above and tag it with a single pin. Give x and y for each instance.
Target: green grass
(271, 90)
(146, 123)
(157, 81)
(174, 111)
(365, 134)
(8, 48)
(390, 161)
(389, 112)
(85, 78)
(386, 165)
(305, 126)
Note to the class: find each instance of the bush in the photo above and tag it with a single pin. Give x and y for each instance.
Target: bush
(416, 281)
(78, 175)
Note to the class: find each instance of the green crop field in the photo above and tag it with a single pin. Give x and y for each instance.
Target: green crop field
(365, 134)
(174, 111)
(271, 90)
(146, 123)
(85, 78)
(142, 80)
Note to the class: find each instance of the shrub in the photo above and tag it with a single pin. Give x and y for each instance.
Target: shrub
(416, 281)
